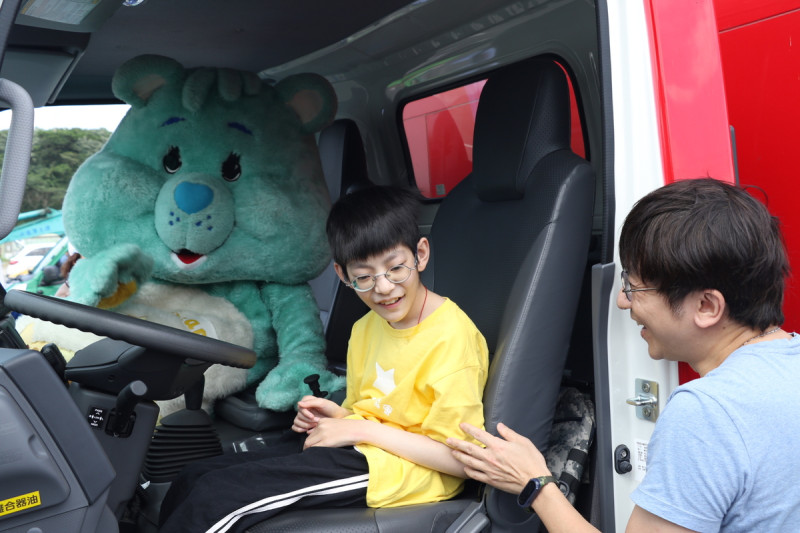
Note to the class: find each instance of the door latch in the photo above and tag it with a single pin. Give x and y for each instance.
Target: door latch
(646, 399)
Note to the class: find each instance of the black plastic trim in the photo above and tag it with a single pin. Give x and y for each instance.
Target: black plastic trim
(602, 286)
(607, 145)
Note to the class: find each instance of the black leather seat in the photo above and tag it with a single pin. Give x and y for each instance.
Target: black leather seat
(510, 246)
(344, 162)
(344, 165)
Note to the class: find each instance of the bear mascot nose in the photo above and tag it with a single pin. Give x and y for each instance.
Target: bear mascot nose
(193, 197)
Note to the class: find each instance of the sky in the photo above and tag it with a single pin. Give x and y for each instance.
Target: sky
(86, 117)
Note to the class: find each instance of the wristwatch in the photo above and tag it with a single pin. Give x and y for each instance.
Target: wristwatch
(532, 490)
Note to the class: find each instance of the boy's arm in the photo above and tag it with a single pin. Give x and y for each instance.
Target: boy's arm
(458, 397)
(414, 447)
(419, 449)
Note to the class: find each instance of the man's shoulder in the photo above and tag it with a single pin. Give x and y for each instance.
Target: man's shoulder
(748, 373)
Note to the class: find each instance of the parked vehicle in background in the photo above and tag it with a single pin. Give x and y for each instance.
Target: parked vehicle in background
(26, 259)
(33, 235)
(45, 278)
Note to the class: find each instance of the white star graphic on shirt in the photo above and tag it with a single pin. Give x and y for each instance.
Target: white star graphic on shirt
(385, 380)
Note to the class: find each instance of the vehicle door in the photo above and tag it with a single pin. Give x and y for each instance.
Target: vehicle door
(669, 123)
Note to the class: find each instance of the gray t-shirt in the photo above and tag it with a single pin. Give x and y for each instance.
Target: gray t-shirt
(724, 454)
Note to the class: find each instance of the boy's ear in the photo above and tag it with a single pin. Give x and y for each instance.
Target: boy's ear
(423, 253)
(341, 273)
(709, 308)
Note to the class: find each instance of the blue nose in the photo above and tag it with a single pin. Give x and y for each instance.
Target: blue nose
(193, 197)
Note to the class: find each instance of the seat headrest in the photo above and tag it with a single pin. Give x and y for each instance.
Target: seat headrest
(344, 161)
(523, 115)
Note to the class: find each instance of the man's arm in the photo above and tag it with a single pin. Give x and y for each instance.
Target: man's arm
(508, 463)
(642, 521)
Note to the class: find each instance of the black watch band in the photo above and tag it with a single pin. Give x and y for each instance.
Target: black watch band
(532, 490)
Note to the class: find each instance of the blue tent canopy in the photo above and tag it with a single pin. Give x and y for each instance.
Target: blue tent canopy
(49, 222)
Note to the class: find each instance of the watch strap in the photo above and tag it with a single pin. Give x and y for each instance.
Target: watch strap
(532, 490)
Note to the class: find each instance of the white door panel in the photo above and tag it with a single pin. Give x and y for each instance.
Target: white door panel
(637, 171)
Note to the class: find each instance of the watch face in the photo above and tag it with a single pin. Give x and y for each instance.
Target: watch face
(526, 496)
(531, 490)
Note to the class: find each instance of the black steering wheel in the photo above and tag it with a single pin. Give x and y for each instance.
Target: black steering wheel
(128, 329)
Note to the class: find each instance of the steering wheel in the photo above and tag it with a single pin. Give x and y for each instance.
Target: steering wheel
(131, 330)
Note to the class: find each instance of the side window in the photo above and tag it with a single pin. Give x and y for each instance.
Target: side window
(439, 130)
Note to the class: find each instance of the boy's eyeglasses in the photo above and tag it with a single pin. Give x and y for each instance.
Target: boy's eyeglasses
(627, 289)
(396, 274)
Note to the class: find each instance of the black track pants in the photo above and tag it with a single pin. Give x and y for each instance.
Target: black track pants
(232, 492)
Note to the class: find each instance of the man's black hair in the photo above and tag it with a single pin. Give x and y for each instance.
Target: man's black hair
(371, 221)
(705, 234)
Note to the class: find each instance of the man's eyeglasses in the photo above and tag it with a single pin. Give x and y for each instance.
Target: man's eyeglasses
(627, 289)
(397, 274)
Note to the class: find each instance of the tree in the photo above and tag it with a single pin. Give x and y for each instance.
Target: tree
(56, 155)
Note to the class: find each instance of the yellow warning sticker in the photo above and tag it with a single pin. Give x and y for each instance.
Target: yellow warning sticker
(19, 503)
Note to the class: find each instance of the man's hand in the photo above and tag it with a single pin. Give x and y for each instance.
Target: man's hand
(336, 433)
(507, 463)
(310, 410)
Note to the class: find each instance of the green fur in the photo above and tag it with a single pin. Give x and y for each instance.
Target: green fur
(262, 235)
(109, 268)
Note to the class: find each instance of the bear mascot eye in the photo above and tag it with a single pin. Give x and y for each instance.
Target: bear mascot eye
(231, 169)
(172, 161)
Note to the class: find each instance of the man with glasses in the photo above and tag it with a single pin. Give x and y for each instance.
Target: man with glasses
(416, 367)
(704, 269)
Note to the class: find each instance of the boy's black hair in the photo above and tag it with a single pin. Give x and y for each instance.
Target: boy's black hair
(371, 221)
(705, 234)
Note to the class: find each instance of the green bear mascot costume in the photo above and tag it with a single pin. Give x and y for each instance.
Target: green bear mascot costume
(206, 210)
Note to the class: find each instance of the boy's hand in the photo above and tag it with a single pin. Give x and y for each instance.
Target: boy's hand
(335, 433)
(310, 410)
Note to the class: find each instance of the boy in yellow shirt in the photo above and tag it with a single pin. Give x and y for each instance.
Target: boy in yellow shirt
(416, 365)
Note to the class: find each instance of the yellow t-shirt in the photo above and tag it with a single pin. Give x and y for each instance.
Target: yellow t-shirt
(426, 379)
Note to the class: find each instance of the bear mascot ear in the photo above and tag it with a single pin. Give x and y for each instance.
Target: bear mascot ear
(136, 80)
(311, 97)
